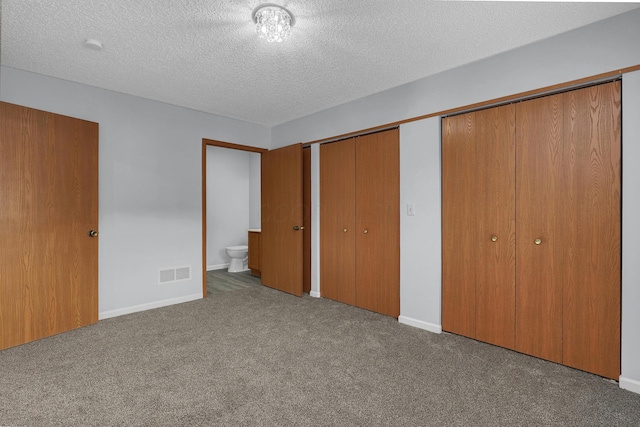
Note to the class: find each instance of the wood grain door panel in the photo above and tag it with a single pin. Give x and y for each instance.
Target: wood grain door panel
(459, 230)
(377, 227)
(495, 219)
(49, 197)
(540, 214)
(337, 221)
(591, 303)
(282, 254)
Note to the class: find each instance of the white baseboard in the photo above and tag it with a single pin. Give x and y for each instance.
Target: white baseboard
(420, 324)
(143, 307)
(629, 384)
(217, 266)
(314, 294)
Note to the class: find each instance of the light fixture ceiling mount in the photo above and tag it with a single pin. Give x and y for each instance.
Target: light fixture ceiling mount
(273, 22)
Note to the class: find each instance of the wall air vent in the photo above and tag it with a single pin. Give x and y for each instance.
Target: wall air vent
(173, 275)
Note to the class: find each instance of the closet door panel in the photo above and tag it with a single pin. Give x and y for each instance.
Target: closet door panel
(337, 221)
(495, 219)
(540, 226)
(378, 222)
(591, 315)
(459, 230)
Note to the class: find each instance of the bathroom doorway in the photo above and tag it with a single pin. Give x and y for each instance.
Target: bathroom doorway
(230, 207)
(255, 151)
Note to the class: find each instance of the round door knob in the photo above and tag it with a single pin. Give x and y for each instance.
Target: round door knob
(494, 238)
(537, 241)
(365, 231)
(344, 231)
(92, 233)
(298, 228)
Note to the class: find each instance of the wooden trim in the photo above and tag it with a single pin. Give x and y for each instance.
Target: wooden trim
(478, 105)
(223, 144)
(204, 218)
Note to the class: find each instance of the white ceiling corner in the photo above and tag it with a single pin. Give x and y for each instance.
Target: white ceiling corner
(205, 55)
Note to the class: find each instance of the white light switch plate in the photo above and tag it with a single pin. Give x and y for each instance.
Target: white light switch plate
(411, 209)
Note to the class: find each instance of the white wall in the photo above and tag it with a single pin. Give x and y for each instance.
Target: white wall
(420, 235)
(255, 201)
(231, 200)
(630, 378)
(598, 48)
(150, 201)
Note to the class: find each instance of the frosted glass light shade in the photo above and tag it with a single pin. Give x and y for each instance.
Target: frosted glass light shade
(273, 22)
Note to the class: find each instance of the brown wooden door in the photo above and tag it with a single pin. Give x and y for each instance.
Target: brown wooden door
(495, 219)
(378, 222)
(49, 202)
(282, 254)
(541, 225)
(337, 221)
(459, 229)
(591, 299)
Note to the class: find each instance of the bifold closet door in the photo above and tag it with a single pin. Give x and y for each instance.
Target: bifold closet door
(592, 293)
(568, 228)
(541, 224)
(459, 230)
(378, 222)
(495, 218)
(478, 214)
(337, 221)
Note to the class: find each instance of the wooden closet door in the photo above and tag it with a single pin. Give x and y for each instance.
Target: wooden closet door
(459, 230)
(378, 222)
(495, 219)
(541, 224)
(337, 221)
(591, 309)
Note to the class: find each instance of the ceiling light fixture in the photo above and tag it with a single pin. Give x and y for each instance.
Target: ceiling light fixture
(273, 22)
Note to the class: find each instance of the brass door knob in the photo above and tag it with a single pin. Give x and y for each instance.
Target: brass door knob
(365, 231)
(92, 233)
(494, 238)
(298, 228)
(537, 241)
(344, 231)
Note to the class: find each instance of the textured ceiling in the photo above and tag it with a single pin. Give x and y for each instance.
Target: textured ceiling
(205, 55)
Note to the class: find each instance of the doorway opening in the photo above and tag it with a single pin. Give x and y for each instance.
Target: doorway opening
(235, 182)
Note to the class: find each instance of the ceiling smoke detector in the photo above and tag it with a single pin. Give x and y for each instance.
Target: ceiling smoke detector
(93, 44)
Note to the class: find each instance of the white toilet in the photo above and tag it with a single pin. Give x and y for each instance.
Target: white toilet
(239, 257)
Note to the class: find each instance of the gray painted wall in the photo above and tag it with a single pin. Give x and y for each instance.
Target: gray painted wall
(232, 200)
(631, 228)
(420, 235)
(255, 202)
(150, 203)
